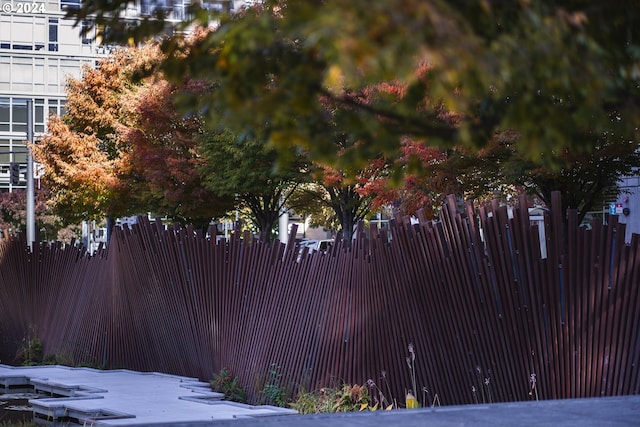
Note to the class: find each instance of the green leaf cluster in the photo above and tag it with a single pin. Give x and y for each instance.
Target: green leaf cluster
(563, 76)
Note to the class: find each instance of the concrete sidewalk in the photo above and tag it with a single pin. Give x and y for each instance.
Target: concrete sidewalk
(597, 412)
(82, 396)
(66, 396)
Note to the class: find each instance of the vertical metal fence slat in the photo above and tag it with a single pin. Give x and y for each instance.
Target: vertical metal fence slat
(472, 293)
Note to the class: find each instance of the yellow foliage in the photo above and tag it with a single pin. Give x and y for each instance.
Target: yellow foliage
(411, 401)
(334, 79)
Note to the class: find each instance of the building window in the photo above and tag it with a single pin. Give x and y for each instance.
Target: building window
(19, 150)
(53, 34)
(56, 106)
(22, 73)
(149, 7)
(69, 4)
(86, 33)
(38, 116)
(5, 114)
(19, 114)
(216, 5)
(13, 114)
(5, 149)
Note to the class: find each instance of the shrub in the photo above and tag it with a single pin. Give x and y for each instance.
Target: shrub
(352, 398)
(30, 352)
(225, 382)
(273, 390)
(319, 402)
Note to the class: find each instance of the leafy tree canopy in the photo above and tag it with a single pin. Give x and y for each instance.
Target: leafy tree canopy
(426, 181)
(243, 167)
(123, 149)
(84, 154)
(345, 197)
(554, 71)
(13, 215)
(165, 158)
(585, 179)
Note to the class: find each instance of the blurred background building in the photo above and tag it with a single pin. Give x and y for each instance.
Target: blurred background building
(39, 50)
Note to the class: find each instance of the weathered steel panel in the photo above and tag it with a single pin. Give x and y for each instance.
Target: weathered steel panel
(489, 319)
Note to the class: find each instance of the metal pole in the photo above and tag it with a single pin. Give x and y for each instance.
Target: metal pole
(283, 222)
(31, 218)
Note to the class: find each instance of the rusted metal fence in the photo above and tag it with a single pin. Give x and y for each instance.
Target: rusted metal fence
(489, 318)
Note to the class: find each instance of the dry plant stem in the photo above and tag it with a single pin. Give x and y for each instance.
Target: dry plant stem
(425, 393)
(389, 391)
(487, 385)
(381, 398)
(436, 399)
(533, 390)
(384, 378)
(411, 362)
(479, 376)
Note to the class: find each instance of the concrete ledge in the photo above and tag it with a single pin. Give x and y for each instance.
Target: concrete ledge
(622, 411)
(84, 396)
(129, 398)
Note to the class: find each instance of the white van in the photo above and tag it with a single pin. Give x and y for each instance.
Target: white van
(315, 245)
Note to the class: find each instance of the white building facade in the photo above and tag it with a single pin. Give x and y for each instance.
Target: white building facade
(39, 51)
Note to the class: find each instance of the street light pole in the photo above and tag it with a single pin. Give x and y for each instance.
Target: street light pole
(31, 217)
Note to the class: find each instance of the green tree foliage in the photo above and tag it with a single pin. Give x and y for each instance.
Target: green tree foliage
(340, 190)
(550, 70)
(563, 75)
(243, 166)
(165, 160)
(585, 179)
(309, 202)
(345, 198)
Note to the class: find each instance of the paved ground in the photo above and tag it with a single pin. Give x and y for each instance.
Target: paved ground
(601, 412)
(127, 398)
(86, 396)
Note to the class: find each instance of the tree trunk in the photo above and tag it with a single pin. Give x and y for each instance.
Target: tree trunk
(347, 223)
(110, 224)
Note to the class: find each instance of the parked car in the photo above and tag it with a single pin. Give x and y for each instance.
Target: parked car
(315, 245)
